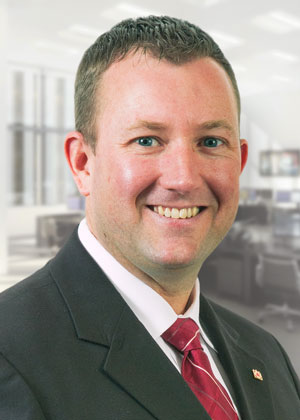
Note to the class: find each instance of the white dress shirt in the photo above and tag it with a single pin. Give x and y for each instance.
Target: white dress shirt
(149, 307)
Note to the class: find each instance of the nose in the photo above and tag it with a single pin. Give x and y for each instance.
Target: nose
(180, 168)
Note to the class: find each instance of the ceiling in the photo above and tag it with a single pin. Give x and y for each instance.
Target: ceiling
(260, 38)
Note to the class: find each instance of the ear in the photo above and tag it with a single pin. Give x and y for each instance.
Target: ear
(78, 154)
(244, 153)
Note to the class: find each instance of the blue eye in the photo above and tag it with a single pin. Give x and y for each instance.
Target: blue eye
(147, 141)
(212, 142)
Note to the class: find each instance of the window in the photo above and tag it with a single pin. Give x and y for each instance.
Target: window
(40, 115)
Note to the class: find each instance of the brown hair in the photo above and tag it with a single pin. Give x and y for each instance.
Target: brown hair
(172, 39)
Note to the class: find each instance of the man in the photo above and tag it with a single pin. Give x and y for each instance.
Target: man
(157, 155)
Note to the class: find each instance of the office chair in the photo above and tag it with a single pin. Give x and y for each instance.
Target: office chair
(279, 277)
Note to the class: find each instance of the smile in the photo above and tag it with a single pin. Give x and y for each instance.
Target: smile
(175, 213)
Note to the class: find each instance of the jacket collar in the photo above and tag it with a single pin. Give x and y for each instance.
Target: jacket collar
(93, 303)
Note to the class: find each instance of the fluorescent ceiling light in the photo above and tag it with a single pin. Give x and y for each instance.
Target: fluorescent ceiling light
(80, 33)
(209, 3)
(84, 30)
(78, 39)
(126, 10)
(204, 3)
(280, 78)
(225, 40)
(269, 24)
(286, 18)
(134, 10)
(277, 21)
(285, 56)
(52, 46)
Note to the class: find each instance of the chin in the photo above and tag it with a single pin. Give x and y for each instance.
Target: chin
(176, 260)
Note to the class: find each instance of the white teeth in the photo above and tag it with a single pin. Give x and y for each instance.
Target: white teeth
(195, 211)
(183, 213)
(175, 213)
(160, 210)
(167, 212)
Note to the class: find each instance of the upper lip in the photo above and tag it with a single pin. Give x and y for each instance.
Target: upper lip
(176, 206)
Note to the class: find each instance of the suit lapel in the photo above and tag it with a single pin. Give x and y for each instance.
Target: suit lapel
(252, 396)
(137, 363)
(134, 360)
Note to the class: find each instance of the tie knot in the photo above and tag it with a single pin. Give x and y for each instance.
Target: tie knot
(183, 335)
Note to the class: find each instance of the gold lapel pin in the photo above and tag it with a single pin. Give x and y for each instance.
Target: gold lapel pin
(257, 375)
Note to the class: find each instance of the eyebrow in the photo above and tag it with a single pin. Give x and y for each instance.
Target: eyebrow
(158, 126)
(151, 125)
(210, 125)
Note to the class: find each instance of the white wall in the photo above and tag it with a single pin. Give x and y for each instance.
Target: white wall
(270, 121)
(21, 220)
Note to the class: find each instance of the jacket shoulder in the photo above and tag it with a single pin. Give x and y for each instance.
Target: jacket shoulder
(25, 308)
(239, 323)
(36, 280)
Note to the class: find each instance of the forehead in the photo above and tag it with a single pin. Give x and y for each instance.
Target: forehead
(141, 85)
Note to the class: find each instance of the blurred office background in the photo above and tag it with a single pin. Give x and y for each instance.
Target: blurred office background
(41, 44)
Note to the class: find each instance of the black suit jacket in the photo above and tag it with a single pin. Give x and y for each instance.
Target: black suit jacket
(71, 349)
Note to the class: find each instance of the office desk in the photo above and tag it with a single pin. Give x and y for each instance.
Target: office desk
(54, 229)
(262, 239)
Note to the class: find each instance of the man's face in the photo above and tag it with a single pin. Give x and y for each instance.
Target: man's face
(167, 138)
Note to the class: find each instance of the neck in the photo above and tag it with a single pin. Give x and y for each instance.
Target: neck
(180, 303)
(176, 286)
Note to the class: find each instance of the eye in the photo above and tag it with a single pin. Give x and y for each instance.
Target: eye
(147, 141)
(212, 142)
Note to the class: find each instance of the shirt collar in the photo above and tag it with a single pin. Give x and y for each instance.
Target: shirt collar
(150, 308)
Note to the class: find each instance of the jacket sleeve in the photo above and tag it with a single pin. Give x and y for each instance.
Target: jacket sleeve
(17, 401)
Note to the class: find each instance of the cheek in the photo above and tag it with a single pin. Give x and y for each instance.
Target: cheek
(127, 177)
(225, 183)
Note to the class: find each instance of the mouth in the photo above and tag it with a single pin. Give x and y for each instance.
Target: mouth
(177, 213)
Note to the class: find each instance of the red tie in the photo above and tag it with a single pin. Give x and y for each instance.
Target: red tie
(196, 370)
